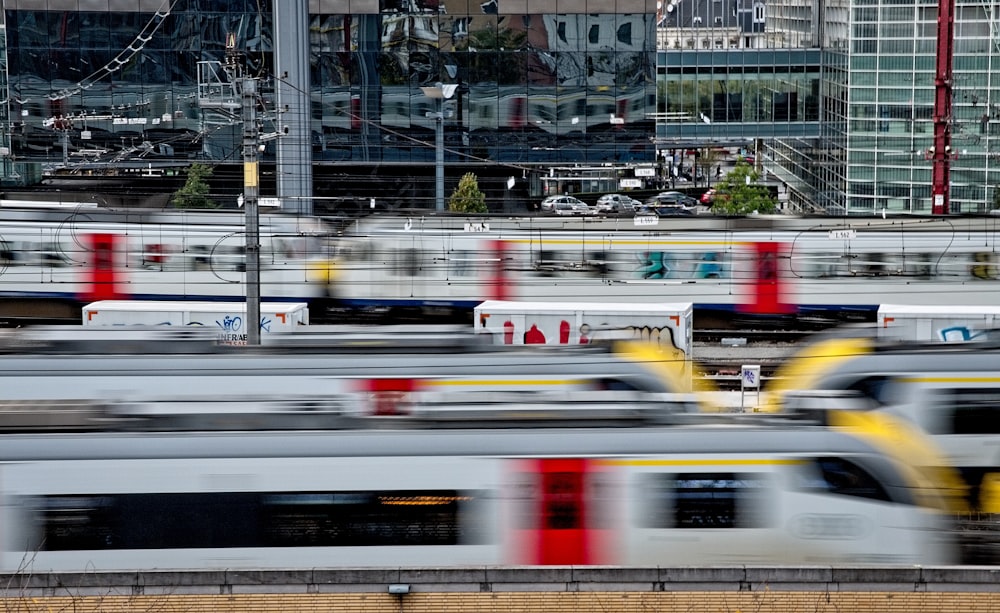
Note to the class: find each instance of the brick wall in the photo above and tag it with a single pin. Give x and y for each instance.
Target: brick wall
(512, 590)
(519, 602)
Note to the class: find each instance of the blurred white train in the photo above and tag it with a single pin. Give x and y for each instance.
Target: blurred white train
(780, 264)
(760, 265)
(504, 493)
(950, 391)
(73, 378)
(80, 253)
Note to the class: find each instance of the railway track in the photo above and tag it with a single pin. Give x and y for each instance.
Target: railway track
(721, 353)
(751, 336)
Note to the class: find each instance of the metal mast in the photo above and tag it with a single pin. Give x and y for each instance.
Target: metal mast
(940, 153)
(251, 189)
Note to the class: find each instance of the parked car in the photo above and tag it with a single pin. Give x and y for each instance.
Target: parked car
(666, 210)
(573, 209)
(672, 198)
(617, 203)
(712, 196)
(548, 205)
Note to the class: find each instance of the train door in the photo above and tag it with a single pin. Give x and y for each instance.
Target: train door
(559, 511)
(102, 274)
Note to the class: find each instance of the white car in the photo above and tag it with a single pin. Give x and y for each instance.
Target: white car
(549, 204)
(617, 203)
(573, 208)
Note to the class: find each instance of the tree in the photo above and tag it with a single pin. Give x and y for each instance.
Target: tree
(708, 158)
(467, 198)
(738, 193)
(194, 193)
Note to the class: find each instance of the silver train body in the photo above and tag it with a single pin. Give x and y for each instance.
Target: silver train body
(681, 495)
(811, 264)
(951, 391)
(50, 254)
(454, 263)
(144, 378)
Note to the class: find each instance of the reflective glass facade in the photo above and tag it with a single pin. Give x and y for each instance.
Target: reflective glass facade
(837, 96)
(567, 81)
(870, 86)
(891, 106)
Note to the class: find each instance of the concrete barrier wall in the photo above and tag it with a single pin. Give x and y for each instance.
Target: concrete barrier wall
(513, 590)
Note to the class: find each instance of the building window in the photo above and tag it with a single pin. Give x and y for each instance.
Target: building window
(625, 34)
(758, 12)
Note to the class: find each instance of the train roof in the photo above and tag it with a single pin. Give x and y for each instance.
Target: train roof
(919, 360)
(724, 438)
(177, 218)
(489, 225)
(337, 343)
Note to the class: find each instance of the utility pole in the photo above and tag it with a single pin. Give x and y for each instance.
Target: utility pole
(251, 189)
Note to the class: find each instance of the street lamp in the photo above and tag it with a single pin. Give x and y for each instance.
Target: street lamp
(440, 93)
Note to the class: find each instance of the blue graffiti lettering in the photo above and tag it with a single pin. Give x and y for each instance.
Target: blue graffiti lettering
(230, 324)
(653, 265)
(961, 333)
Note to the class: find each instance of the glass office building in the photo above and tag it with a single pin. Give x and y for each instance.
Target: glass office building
(865, 69)
(538, 82)
(835, 96)
(891, 66)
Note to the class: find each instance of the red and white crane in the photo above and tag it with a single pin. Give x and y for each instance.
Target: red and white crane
(940, 152)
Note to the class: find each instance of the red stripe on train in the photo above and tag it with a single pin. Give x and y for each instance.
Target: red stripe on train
(558, 520)
(498, 283)
(769, 291)
(101, 279)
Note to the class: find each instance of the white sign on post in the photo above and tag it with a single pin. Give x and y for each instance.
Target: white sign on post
(749, 379)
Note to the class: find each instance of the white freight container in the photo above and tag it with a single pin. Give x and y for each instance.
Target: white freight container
(940, 323)
(566, 323)
(227, 318)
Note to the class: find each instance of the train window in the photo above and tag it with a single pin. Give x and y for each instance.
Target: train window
(461, 263)
(983, 266)
(879, 388)
(844, 478)
(705, 500)
(199, 258)
(356, 252)
(546, 263)
(408, 262)
(53, 254)
(814, 265)
(562, 500)
(597, 263)
(269, 519)
(971, 411)
(921, 265)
